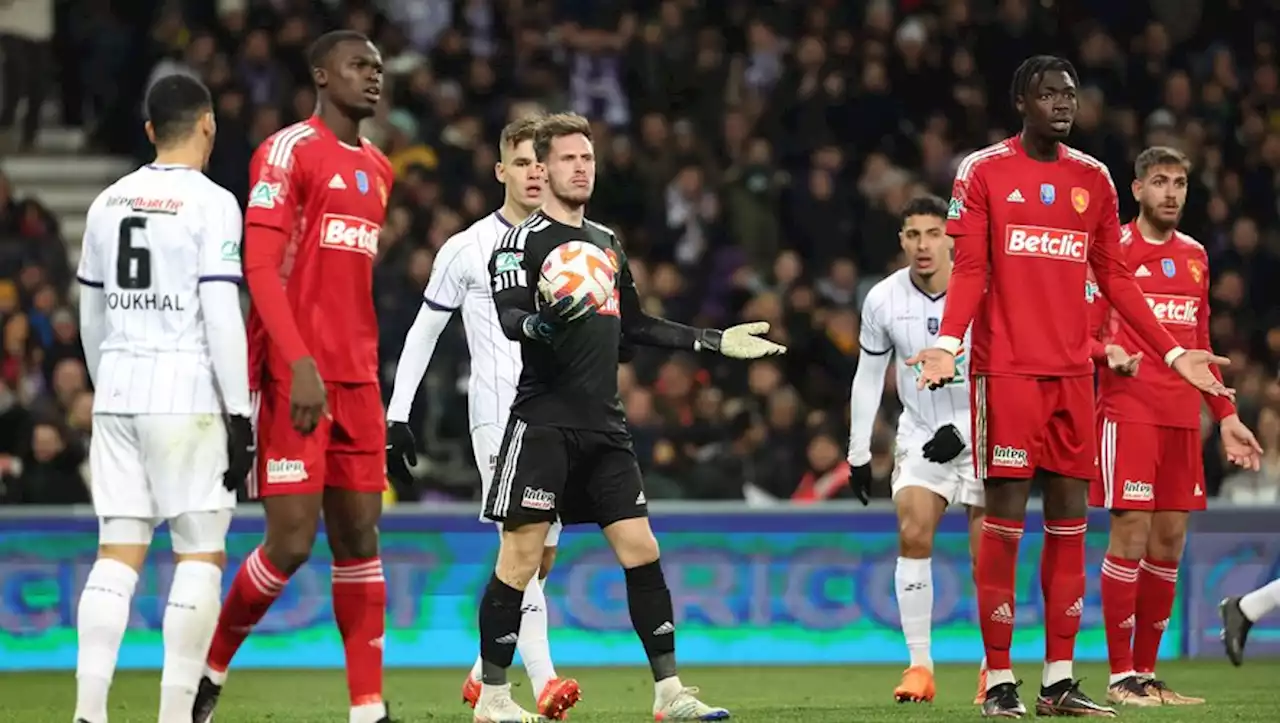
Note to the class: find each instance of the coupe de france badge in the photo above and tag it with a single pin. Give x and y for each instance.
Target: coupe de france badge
(1048, 194)
(1080, 199)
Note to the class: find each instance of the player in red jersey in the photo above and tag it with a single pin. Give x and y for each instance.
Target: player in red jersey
(1029, 215)
(1151, 462)
(318, 199)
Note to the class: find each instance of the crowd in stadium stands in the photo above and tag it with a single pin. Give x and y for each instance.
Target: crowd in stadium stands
(754, 157)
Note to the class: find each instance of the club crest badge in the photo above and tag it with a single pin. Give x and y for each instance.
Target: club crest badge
(1079, 199)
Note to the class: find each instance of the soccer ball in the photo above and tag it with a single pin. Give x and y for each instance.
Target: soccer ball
(578, 269)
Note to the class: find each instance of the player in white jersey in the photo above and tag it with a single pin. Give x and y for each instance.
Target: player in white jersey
(460, 281)
(933, 467)
(165, 345)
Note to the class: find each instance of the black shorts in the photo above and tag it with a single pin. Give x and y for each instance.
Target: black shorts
(577, 475)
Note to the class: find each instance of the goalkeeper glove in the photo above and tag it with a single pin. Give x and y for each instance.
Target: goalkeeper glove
(946, 445)
(860, 482)
(544, 325)
(401, 451)
(743, 341)
(242, 450)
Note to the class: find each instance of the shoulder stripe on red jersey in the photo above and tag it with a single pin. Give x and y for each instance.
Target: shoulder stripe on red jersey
(1085, 159)
(1126, 234)
(281, 153)
(1188, 239)
(972, 160)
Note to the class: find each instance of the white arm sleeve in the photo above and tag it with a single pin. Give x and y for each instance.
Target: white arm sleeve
(93, 311)
(220, 276)
(864, 404)
(419, 345)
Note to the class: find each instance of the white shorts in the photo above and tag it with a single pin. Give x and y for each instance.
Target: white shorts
(954, 481)
(486, 442)
(158, 466)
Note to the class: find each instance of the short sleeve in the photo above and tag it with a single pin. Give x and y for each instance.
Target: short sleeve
(276, 180)
(220, 250)
(967, 212)
(874, 336)
(450, 275)
(90, 271)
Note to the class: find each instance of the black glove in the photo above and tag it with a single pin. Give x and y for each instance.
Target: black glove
(544, 325)
(401, 451)
(946, 445)
(242, 450)
(860, 482)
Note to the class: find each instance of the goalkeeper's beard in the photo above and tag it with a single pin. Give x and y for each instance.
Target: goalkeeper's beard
(570, 197)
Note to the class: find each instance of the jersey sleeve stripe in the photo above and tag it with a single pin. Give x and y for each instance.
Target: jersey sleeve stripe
(86, 282)
(1088, 160)
(438, 307)
(281, 152)
(229, 278)
(972, 160)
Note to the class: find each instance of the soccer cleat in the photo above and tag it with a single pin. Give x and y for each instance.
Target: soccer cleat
(386, 718)
(1235, 629)
(916, 686)
(471, 691)
(496, 706)
(557, 697)
(684, 705)
(981, 696)
(1159, 690)
(1002, 701)
(1131, 691)
(206, 700)
(1065, 698)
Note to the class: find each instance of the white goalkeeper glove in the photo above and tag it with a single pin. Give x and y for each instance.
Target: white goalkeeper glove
(744, 341)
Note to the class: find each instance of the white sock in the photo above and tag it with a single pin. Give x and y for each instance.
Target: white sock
(999, 677)
(190, 617)
(217, 677)
(101, 618)
(913, 580)
(368, 713)
(1261, 601)
(1056, 671)
(667, 688)
(534, 648)
(1117, 677)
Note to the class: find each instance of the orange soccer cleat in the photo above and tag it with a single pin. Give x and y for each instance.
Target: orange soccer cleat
(471, 691)
(557, 697)
(916, 686)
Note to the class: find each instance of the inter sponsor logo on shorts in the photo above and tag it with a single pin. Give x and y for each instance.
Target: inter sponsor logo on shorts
(1137, 491)
(1043, 242)
(1174, 310)
(281, 471)
(538, 499)
(1008, 457)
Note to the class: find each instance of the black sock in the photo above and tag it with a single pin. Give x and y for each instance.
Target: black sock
(499, 630)
(649, 602)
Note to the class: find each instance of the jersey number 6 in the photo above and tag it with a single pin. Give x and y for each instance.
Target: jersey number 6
(133, 263)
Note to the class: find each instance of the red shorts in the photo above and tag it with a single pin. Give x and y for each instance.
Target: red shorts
(347, 450)
(1148, 467)
(1021, 424)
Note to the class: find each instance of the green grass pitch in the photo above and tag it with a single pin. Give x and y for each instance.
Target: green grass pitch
(833, 694)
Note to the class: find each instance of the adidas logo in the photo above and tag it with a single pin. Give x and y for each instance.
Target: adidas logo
(1128, 623)
(1197, 491)
(337, 183)
(1142, 272)
(1003, 614)
(1015, 197)
(1162, 625)
(640, 498)
(379, 642)
(508, 639)
(1076, 609)
(666, 628)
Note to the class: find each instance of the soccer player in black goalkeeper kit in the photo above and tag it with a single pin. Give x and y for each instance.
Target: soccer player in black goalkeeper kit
(567, 451)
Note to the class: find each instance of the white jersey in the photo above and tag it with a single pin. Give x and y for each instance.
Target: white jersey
(460, 280)
(900, 319)
(150, 239)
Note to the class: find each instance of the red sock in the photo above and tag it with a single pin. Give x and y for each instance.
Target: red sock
(996, 571)
(1062, 582)
(1157, 585)
(1119, 601)
(257, 584)
(360, 607)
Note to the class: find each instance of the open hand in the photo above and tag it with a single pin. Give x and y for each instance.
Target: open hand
(1120, 361)
(1193, 366)
(937, 367)
(1238, 442)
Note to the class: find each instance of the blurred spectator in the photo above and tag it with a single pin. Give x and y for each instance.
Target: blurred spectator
(755, 158)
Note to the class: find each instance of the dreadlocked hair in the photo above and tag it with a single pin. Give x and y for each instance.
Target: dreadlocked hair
(1034, 67)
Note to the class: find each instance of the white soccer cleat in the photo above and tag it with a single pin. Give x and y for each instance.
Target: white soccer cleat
(683, 705)
(496, 706)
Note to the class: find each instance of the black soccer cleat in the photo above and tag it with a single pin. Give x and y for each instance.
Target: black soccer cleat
(1065, 698)
(206, 700)
(386, 718)
(1002, 701)
(1235, 629)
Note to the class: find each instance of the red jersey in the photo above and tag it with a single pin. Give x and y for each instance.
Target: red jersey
(1026, 234)
(1174, 278)
(311, 236)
